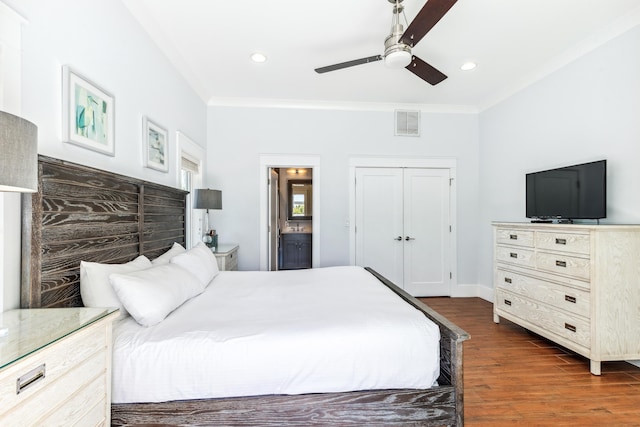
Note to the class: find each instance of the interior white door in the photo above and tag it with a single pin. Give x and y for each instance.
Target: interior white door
(274, 228)
(379, 230)
(402, 227)
(426, 232)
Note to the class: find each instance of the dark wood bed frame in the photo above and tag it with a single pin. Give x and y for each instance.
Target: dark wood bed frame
(81, 213)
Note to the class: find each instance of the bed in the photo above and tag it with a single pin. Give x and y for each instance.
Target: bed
(84, 214)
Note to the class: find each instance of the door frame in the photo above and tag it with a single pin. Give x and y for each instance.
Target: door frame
(405, 162)
(268, 161)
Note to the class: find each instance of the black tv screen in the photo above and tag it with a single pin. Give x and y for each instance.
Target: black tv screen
(570, 192)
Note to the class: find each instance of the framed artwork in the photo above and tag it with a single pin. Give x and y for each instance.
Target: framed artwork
(88, 113)
(155, 145)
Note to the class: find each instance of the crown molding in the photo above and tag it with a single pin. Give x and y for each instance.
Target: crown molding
(339, 105)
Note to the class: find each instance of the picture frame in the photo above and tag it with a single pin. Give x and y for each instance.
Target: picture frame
(156, 144)
(88, 113)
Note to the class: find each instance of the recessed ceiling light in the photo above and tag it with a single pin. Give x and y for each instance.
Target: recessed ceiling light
(468, 66)
(258, 57)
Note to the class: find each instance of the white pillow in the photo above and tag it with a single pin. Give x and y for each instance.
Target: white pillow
(176, 249)
(199, 261)
(95, 289)
(151, 294)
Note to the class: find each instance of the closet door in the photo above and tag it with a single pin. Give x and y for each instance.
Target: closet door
(402, 227)
(426, 232)
(379, 231)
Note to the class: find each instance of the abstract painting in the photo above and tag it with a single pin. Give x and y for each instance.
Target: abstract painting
(88, 114)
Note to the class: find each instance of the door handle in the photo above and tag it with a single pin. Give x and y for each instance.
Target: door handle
(399, 238)
(409, 238)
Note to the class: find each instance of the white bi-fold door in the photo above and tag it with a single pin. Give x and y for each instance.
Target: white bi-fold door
(403, 228)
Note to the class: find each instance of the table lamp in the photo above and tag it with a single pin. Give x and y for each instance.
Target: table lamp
(18, 158)
(207, 199)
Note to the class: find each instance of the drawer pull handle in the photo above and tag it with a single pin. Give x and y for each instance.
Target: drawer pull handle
(513, 236)
(30, 378)
(570, 327)
(507, 279)
(561, 263)
(561, 241)
(570, 299)
(513, 255)
(507, 302)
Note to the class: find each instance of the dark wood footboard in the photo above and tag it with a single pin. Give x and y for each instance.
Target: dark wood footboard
(436, 406)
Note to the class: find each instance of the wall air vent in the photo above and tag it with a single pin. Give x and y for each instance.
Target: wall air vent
(407, 123)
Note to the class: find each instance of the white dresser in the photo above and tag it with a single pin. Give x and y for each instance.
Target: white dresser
(55, 367)
(577, 285)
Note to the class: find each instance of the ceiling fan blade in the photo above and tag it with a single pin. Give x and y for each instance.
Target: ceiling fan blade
(348, 64)
(425, 71)
(428, 16)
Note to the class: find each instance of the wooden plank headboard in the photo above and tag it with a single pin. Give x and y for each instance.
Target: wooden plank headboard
(81, 213)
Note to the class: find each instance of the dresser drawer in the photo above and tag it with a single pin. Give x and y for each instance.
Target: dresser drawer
(516, 256)
(507, 236)
(564, 242)
(75, 364)
(563, 297)
(564, 264)
(58, 360)
(545, 317)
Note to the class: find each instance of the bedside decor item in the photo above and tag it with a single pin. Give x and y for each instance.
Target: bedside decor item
(207, 199)
(155, 145)
(19, 159)
(87, 114)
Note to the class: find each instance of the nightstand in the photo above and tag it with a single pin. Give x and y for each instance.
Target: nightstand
(227, 256)
(55, 366)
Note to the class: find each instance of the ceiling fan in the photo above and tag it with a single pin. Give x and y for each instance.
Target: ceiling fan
(397, 46)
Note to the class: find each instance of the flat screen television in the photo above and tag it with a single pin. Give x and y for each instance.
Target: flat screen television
(568, 193)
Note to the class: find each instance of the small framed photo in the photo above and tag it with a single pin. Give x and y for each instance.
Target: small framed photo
(88, 113)
(155, 145)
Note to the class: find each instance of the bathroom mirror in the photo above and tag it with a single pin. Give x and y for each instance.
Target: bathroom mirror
(300, 200)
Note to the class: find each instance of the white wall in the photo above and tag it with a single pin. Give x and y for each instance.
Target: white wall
(102, 41)
(588, 110)
(237, 136)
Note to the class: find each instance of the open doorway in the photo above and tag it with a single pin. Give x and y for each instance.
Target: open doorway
(301, 222)
(290, 218)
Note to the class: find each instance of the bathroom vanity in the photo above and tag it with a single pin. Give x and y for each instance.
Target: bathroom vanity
(296, 250)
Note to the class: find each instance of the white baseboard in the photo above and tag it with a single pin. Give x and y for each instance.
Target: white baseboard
(470, 291)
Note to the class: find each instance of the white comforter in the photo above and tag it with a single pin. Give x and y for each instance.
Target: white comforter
(288, 332)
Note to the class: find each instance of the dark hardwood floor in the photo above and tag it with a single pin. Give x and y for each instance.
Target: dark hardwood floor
(513, 377)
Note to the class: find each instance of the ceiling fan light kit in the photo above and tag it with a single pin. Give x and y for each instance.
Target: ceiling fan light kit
(396, 55)
(398, 59)
(397, 46)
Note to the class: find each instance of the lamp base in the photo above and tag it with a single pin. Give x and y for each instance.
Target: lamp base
(210, 240)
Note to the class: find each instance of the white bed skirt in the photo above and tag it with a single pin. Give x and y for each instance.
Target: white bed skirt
(288, 332)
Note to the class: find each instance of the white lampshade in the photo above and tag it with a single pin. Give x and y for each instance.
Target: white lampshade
(19, 154)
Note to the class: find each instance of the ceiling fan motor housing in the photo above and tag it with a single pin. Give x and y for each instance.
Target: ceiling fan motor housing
(396, 55)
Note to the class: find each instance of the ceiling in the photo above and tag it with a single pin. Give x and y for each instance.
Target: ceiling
(514, 43)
